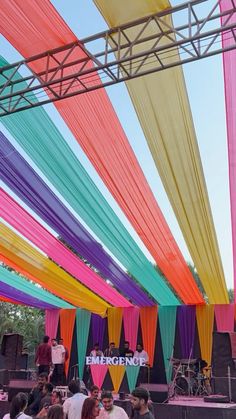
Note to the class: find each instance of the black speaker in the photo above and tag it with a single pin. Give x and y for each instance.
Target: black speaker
(4, 377)
(158, 392)
(11, 349)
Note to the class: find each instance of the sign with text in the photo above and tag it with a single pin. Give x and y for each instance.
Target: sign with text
(102, 360)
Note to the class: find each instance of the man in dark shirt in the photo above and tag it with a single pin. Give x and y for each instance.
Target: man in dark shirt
(126, 351)
(139, 401)
(46, 396)
(43, 356)
(36, 395)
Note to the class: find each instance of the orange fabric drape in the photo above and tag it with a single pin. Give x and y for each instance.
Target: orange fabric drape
(117, 373)
(67, 323)
(205, 323)
(148, 319)
(114, 319)
(33, 27)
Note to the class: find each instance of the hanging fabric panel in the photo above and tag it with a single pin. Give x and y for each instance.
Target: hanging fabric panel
(205, 323)
(22, 285)
(17, 253)
(131, 319)
(132, 373)
(148, 319)
(67, 324)
(186, 322)
(26, 183)
(161, 103)
(98, 328)
(23, 222)
(13, 287)
(98, 373)
(90, 117)
(117, 373)
(167, 321)
(114, 319)
(82, 332)
(51, 323)
(224, 314)
(229, 62)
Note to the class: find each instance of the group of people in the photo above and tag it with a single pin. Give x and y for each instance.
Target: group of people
(125, 352)
(45, 402)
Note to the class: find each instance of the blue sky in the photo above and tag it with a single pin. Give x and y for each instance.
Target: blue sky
(204, 81)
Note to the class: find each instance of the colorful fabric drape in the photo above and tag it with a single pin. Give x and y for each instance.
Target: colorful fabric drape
(167, 321)
(51, 323)
(23, 222)
(161, 103)
(13, 286)
(67, 323)
(205, 323)
(132, 376)
(98, 327)
(114, 319)
(26, 183)
(18, 254)
(117, 373)
(224, 314)
(131, 319)
(148, 319)
(82, 331)
(229, 62)
(98, 374)
(186, 322)
(90, 117)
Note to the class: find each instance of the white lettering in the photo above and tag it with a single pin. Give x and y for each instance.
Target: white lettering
(121, 361)
(129, 361)
(96, 360)
(115, 360)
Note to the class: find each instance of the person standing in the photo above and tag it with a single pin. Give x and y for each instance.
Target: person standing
(43, 356)
(90, 409)
(139, 401)
(58, 360)
(109, 410)
(72, 407)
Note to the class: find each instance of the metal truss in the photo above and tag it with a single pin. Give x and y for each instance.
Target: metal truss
(173, 37)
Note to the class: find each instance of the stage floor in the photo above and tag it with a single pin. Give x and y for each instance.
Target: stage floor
(199, 402)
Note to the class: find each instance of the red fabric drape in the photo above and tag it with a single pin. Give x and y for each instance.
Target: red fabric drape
(148, 320)
(33, 27)
(67, 323)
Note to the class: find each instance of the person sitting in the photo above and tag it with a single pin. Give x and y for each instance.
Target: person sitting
(96, 351)
(46, 395)
(72, 407)
(17, 408)
(90, 409)
(55, 412)
(94, 392)
(43, 356)
(109, 410)
(139, 401)
(56, 397)
(111, 351)
(126, 351)
(36, 395)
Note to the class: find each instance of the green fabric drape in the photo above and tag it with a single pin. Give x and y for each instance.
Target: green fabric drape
(167, 321)
(132, 375)
(82, 331)
(42, 141)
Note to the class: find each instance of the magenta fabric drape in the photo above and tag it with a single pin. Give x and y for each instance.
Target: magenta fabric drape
(51, 323)
(224, 314)
(131, 319)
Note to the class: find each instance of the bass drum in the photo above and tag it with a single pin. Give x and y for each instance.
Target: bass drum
(181, 386)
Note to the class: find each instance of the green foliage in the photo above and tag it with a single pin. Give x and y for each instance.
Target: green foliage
(26, 321)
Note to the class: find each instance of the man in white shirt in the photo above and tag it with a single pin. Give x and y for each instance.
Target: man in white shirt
(72, 407)
(58, 360)
(140, 353)
(96, 351)
(143, 373)
(109, 410)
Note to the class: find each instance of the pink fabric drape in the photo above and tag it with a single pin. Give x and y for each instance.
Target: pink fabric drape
(22, 221)
(224, 314)
(51, 323)
(131, 319)
(98, 374)
(229, 61)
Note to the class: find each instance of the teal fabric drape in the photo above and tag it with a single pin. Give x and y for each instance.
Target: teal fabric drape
(82, 331)
(39, 137)
(132, 375)
(167, 321)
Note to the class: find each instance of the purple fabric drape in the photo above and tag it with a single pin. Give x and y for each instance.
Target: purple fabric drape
(9, 292)
(98, 328)
(26, 183)
(186, 322)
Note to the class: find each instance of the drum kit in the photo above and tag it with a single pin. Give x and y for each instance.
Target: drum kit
(190, 377)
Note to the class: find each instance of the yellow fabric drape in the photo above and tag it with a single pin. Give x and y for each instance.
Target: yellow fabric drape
(205, 323)
(17, 253)
(114, 319)
(117, 374)
(163, 109)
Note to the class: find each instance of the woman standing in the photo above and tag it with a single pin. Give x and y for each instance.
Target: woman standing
(90, 409)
